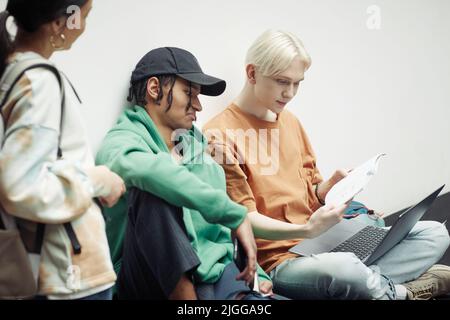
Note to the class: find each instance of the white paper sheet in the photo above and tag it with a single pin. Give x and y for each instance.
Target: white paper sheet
(354, 183)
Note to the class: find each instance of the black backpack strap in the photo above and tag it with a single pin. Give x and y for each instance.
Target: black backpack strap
(39, 240)
(16, 73)
(2, 224)
(5, 91)
(71, 85)
(76, 246)
(9, 85)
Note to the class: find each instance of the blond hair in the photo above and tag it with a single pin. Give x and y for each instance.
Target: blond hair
(273, 52)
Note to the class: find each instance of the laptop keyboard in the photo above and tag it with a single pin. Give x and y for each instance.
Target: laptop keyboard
(363, 243)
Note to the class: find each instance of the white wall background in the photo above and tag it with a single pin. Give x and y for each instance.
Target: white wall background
(368, 91)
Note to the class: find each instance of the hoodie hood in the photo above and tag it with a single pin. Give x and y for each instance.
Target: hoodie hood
(191, 144)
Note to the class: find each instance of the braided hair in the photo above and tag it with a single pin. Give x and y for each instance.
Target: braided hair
(137, 92)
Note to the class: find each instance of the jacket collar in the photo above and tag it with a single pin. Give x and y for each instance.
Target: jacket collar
(192, 142)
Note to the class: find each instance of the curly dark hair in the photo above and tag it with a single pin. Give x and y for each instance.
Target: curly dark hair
(138, 91)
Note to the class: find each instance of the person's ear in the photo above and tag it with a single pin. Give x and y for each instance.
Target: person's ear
(153, 88)
(58, 26)
(250, 71)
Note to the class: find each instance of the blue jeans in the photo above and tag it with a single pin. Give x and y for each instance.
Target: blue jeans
(103, 295)
(227, 287)
(342, 275)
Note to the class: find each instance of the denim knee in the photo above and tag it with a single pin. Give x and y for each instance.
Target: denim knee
(329, 276)
(344, 276)
(437, 235)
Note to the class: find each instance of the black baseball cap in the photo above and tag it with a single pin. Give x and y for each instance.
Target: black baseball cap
(170, 60)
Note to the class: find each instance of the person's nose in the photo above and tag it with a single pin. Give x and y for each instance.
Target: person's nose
(196, 104)
(289, 92)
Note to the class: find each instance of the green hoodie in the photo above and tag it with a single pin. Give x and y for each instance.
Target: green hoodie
(134, 149)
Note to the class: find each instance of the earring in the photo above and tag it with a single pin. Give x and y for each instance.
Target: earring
(54, 45)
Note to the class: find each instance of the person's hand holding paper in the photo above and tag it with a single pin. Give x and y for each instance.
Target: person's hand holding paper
(325, 187)
(356, 180)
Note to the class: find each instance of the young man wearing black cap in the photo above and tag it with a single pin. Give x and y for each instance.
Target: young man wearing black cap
(177, 240)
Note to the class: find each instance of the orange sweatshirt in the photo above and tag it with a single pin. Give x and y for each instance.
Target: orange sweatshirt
(270, 168)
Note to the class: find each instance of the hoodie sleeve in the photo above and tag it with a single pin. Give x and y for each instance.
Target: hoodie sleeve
(262, 276)
(128, 156)
(34, 185)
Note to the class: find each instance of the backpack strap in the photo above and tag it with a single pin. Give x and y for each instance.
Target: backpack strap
(14, 75)
(2, 225)
(9, 80)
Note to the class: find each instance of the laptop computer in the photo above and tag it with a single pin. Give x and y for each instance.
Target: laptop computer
(368, 243)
